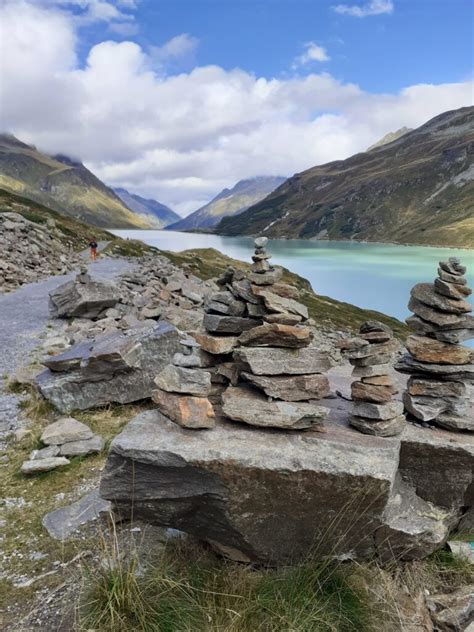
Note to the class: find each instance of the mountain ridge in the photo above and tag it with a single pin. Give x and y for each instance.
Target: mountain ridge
(417, 189)
(160, 214)
(63, 184)
(229, 202)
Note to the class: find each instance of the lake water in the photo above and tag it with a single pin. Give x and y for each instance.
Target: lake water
(373, 276)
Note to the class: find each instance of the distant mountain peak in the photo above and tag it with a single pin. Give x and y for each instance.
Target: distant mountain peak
(160, 214)
(390, 137)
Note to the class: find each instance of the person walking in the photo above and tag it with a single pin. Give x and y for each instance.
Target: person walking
(93, 247)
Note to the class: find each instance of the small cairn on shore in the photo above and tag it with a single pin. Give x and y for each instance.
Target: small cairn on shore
(438, 365)
(256, 352)
(371, 353)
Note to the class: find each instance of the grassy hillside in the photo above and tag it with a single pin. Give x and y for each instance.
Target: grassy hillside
(63, 185)
(418, 189)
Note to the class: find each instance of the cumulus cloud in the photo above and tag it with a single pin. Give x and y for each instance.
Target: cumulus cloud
(374, 7)
(179, 48)
(313, 52)
(182, 138)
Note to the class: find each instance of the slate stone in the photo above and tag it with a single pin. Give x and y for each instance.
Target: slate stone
(462, 330)
(174, 379)
(384, 428)
(69, 359)
(375, 326)
(451, 290)
(451, 421)
(243, 289)
(64, 430)
(291, 388)
(426, 349)
(426, 294)
(286, 291)
(463, 372)
(83, 448)
(247, 405)
(442, 319)
(279, 361)
(228, 324)
(372, 392)
(362, 351)
(186, 410)
(428, 408)
(43, 465)
(380, 412)
(372, 360)
(451, 278)
(453, 268)
(225, 303)
(219, 345)
(277, 335)
(283, 319)
(435, 388)
(61, 523)
(267, 278)
(279, 304)
(44, 453)
(86, 300)
(371, 371)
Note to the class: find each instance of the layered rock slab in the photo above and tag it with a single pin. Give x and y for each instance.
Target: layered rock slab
(271, 496)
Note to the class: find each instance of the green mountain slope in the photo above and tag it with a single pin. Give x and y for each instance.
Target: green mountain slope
(157, 213)
(418, 189)
(62, 184)
(229, 202)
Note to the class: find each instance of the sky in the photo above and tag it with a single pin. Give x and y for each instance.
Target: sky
(178, 99)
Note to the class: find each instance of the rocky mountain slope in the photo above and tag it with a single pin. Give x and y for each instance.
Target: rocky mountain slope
(418, 189)
(390, 137)
(229, 202)
(62, 184)
(159, 214)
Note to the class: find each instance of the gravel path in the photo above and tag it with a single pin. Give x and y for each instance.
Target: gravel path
(23, 317)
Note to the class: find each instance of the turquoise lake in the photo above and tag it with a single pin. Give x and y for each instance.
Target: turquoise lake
(373, 276)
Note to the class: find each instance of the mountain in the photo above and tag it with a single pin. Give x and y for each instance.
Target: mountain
(390, 137)
(62, 184)
(418, 189)
(229, 202)
(159, 214)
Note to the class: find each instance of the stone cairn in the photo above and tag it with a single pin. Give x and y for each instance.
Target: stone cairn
(371, 353)
(438, 365)
(254, 360)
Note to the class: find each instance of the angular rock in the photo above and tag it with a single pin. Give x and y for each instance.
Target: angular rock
(385, 428)
(371, 371)
(64, 430)
(380, 412)
(226, 303)
(191, 361)
(245, 404)
(371, 392)
(218, 345)
(62, 522)
(453, 421)
(270, 495)
(291, 388)
(70, 359)
(452, 267)
(83, 448)
(243, 289)
(372, 360)
(373, 326)
(87, 300)
(435, 388)
(276, 335)
(175, 379)
(283, 319)
(279, 304)
(286, 291)
(43, 465)
(279, 361)
(256, 311)
(230, 371)
(267, 278)
(227, 324)
(111, 354)
(430, 408)
(44, 453)
(452, 290)
(454, 611)
(462, 330)
(433, 351)
(260, 265)
(442, 319)
(464, 372)
(260, 242)
(371, 349)
(375, 337)
(451, 278)
(426, 294)
(186, 410)
(75, 389)
(379, 380)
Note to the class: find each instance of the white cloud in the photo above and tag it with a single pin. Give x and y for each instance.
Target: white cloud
(374, 7)
(179, 47)
(125, 29)
(313, 52)
(181, 138)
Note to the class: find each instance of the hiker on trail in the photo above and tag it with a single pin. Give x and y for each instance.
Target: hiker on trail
(93, 247)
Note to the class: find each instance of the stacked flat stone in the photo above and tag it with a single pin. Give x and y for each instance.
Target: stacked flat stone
(374, 411)
(184, 388)
(438, 365)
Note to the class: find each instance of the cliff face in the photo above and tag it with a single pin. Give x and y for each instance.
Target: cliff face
(418, 189)
(62, 184)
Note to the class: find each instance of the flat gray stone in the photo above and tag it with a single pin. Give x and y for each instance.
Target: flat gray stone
(83, 448)
(43, 465)
(278, 361)
(61, 523)
(384, 428)
(292, 388)
(86, 300)
(64, 430)
(228, 324)
(44, 453)
(176, 379)
(464, 372)
(380, 412)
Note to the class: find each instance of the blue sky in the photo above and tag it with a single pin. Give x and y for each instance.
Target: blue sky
(178, 99)
(419, 41)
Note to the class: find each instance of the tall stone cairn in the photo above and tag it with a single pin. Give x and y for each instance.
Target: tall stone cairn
(439, 366)
(374, 411)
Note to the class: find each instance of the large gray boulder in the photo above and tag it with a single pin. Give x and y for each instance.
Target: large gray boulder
(117, 368)
(271, 496)
(87, 300)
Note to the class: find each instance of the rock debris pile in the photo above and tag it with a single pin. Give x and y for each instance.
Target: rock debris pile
(438, 365)
(30, 251)
(64, 438)
(256, 350)
(371, 353)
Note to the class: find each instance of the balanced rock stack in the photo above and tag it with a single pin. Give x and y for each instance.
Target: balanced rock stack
(184, 388)
(438, 365)
(374, 410)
